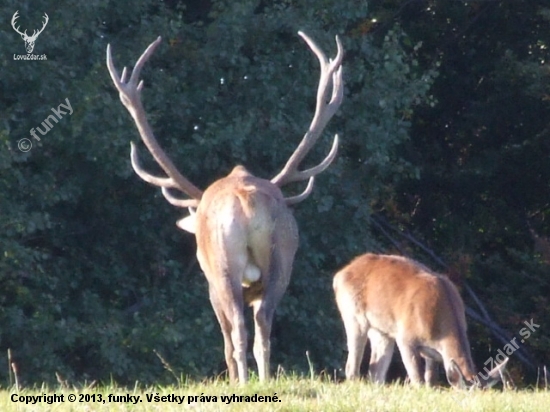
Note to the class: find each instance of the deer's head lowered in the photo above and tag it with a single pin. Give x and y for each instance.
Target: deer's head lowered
(246, 235)
(391, 299)
(29, 40)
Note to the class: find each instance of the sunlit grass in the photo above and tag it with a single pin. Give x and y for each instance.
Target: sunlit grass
(292, 394)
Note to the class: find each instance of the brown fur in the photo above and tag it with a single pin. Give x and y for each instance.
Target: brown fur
(245, 220)
(390, 299)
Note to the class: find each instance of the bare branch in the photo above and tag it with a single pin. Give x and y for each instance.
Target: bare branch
(485, 319)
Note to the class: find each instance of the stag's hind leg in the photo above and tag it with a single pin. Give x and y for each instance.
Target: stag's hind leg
(238, 335)
(264, 310)
(224, 269)
(275, 275)
(226, 328)
(263, 318)
(272, 250)
(227, 301)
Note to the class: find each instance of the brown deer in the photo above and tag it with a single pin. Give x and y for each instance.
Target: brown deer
(246, 235)
(390, 299)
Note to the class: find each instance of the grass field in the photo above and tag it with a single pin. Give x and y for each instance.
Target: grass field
(285, 394)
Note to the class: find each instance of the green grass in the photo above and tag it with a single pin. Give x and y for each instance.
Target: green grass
(293, 394)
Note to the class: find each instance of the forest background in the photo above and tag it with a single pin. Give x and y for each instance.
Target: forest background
(444, 157)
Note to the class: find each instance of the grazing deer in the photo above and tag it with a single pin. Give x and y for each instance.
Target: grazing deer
(29, 40)
(246, 235)
(390, 299)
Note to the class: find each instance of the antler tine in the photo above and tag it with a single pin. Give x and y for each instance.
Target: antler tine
(315, 170)
(331, 74)
(189, 203)
(292, 200)
(163, 182)
(129, 92)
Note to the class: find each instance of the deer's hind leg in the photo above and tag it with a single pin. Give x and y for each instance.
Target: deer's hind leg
(382, 347)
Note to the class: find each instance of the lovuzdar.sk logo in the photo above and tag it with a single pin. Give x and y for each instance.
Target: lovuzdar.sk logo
(29, 40)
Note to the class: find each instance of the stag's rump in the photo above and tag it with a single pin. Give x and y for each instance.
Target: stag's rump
(244, 227)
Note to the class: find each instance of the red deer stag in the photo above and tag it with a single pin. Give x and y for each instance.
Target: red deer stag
(390, 299)
(246, 235)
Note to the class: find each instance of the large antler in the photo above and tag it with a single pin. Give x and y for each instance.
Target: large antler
(331, 74)
(130, 96)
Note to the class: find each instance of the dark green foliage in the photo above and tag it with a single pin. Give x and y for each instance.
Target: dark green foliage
(96, 281)
(483, 155)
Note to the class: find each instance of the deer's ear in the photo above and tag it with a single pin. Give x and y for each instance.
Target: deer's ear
(455, 376)
(496, 374)
(189, 223)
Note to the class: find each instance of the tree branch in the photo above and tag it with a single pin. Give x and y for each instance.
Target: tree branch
(484, 318)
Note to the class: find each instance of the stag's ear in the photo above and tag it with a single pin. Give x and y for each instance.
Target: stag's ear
(189, 223)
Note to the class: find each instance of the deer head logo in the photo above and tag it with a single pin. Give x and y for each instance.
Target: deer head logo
(29, 40)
